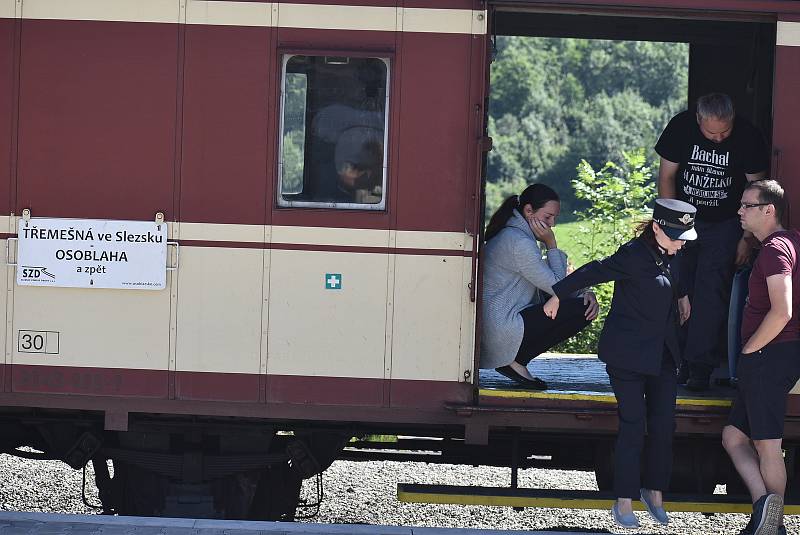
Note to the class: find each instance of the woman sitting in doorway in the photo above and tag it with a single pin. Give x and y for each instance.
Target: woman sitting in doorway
(518, 279)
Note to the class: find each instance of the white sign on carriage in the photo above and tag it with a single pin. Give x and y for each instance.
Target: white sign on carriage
(92, 253)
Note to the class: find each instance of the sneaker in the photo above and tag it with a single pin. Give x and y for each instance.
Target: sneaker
(628, 520)
(657, 512)
(767, 514)
(749, 531)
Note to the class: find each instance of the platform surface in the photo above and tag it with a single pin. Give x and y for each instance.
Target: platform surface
(14, 523)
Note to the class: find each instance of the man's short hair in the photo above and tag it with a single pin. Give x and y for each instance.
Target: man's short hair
(769, 191)
(716, 106)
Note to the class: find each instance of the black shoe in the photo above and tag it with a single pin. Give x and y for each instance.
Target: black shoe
(767, 515)
(683, 373)
(511, 373)
(698, 384)
(699, 377)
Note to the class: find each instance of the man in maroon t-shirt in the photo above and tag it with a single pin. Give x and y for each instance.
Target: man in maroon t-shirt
(769, 365)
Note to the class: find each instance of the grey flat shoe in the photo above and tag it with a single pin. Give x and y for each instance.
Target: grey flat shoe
(657, 512)
(628, 520)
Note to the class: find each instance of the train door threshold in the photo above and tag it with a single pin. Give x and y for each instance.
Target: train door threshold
(578, 380)
(569, 499)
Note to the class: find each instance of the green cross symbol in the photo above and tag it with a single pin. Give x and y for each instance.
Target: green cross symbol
(333, 281)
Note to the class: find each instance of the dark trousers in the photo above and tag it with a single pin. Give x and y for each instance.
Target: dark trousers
(646, 410)
(542, 333)
(707, 267)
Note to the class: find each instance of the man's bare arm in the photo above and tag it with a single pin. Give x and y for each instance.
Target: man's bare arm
(667, 173)
(780, 312)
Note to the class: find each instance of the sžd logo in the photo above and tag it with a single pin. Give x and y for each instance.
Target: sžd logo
(37, 273)
(686, 219)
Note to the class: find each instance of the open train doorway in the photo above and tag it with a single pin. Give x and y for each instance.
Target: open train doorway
(598, 84)
(589, 86)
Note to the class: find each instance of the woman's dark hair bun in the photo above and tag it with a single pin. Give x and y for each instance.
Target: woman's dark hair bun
(537, 195)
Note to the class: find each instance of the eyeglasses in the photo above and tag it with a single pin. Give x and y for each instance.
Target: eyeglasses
(746, 205)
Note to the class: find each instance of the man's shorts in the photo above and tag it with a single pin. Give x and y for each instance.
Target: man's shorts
(765, 378)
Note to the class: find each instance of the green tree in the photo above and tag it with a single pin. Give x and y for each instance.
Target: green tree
(617, 198)
(609, 125)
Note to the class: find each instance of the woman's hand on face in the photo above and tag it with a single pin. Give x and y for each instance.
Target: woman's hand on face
(551, 307)
(684, 309)
(543, 232)
(592, 306)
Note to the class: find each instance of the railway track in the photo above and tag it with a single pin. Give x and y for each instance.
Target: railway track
(366, 493)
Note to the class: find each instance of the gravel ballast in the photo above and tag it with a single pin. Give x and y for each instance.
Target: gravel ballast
(365, 493)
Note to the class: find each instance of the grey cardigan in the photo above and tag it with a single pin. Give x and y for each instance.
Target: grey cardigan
(515, 276)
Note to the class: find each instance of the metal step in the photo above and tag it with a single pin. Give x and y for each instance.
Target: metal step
(568, 499)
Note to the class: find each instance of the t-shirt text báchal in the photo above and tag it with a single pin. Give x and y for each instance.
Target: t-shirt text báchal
(711, 176)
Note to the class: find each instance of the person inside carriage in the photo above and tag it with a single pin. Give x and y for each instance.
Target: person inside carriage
(707, 157)
(518, 276)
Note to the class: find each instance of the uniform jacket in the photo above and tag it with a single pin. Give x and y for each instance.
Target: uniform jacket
(514, 276)
(642, 319)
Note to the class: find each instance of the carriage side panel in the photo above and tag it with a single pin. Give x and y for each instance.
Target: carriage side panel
(434, 132)
(97, 119)
(437, 141)
(7, 102)
(225, 115)
(224, 193)
(97, 131)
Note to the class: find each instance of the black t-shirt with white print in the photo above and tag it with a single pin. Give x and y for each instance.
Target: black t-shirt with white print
(711, 175)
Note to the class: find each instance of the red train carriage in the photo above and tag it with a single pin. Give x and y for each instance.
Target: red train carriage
(296, 188)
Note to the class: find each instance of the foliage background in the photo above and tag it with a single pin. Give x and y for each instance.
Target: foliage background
(618, 197)
(582, 116)
(555, 102)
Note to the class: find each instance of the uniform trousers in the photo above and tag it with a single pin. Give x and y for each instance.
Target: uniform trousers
(707, 266)
(646, 410)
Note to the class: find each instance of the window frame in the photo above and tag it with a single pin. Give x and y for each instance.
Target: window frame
(286, 56)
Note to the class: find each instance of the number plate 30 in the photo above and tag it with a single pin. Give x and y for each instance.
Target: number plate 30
(38, 342)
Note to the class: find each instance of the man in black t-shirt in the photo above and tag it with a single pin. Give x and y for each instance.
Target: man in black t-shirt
(707, 157)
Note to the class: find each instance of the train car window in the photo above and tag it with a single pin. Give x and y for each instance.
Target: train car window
(333, 132)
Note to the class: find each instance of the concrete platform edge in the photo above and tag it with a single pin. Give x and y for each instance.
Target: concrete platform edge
(7, 517)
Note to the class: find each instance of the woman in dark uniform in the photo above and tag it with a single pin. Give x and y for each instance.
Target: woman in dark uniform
(639, 345)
